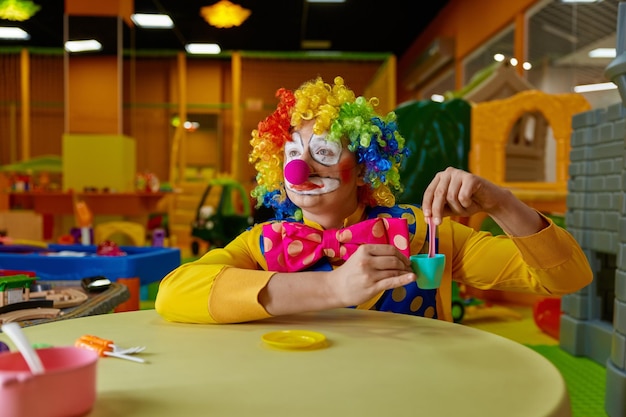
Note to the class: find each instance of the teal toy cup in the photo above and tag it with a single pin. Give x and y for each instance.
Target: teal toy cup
(429, 270)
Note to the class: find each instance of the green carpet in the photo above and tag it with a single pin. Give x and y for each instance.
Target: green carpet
(585, 380)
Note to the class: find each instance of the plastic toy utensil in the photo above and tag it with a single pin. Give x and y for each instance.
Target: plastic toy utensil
(297, 171)
(103, 347)
(98, 341)
(431, 237)
(15, 333)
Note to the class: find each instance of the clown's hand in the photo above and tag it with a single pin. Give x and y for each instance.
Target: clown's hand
(371, 269)
(456, 192)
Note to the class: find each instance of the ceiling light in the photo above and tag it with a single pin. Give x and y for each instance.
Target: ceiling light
(83, 45)
(19, 10)
(203, 48)
(594, 87)
(602, 53)
(152, 21)
(13, 33)
(224, 14)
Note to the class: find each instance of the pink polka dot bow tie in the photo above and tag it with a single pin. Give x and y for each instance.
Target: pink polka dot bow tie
(291, 246)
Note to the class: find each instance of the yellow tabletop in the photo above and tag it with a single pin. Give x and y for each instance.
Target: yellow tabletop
(374, 364)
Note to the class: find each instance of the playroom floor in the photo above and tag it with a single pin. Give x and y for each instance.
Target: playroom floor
(512, 321)
(585, 379)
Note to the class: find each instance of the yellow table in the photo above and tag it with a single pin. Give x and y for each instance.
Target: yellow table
(376, 364)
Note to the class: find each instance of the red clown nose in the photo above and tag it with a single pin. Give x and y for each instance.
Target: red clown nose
(297, 171)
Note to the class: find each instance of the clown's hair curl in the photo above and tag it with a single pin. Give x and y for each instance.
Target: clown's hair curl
(374, 140)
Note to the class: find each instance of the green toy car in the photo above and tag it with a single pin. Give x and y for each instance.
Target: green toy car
(219, 223)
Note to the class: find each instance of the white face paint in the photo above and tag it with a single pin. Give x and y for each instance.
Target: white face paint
(325, 152)
(321, 150)
(320, 154)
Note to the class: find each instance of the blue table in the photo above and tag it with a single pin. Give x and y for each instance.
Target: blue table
(149, 264)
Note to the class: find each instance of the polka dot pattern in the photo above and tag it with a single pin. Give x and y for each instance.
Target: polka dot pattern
(416, 304)
(398, 294)
(293, 246)
(409, 299)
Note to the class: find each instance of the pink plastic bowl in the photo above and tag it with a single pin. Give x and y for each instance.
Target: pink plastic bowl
(67, 387)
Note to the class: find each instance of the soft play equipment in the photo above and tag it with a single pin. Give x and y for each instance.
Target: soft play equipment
(134, 231)
(437, 136)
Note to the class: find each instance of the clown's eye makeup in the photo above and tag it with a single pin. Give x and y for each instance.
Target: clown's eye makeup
(324, 151)
(294, 148)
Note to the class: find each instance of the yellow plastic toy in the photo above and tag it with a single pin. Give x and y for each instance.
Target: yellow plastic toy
(134, 231)
(506, 147)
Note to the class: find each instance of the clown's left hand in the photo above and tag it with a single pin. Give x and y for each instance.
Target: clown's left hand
(457, 192)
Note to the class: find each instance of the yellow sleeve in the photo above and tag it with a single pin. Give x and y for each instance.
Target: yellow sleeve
(549, 262)
(220, 287)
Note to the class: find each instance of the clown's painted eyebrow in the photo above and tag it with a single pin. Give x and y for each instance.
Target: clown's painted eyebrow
(295, 147)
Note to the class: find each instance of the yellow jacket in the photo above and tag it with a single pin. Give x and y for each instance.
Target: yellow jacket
(223, 286)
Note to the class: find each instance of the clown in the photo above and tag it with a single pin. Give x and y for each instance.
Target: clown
(328, 166)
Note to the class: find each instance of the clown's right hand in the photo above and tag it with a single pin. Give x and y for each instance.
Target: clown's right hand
(372, 269)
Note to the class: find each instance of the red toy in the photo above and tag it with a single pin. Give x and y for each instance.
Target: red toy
(108, 248)
(547, 315)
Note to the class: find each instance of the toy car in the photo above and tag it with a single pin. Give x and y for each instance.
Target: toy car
(217, 224)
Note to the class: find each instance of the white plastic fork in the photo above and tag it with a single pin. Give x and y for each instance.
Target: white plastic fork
(123, 356)
(128, 351)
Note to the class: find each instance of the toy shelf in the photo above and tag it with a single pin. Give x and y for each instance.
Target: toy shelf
(100, 203)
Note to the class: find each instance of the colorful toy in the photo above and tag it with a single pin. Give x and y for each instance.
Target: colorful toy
(220, 225)
(134, 231)
(84, 219)
(108, 248)
(21, 299)
(158, 237)
(460, 303)
(11, 243)
(104, 347)
(547, 315)
(158, 229)
(14, 289)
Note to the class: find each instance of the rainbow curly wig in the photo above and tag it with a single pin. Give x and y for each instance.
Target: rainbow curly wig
(374, 140)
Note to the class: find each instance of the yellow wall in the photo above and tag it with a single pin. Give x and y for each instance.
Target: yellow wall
(148, 97)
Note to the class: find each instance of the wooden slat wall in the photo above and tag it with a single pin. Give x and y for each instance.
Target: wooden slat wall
(151, 99)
